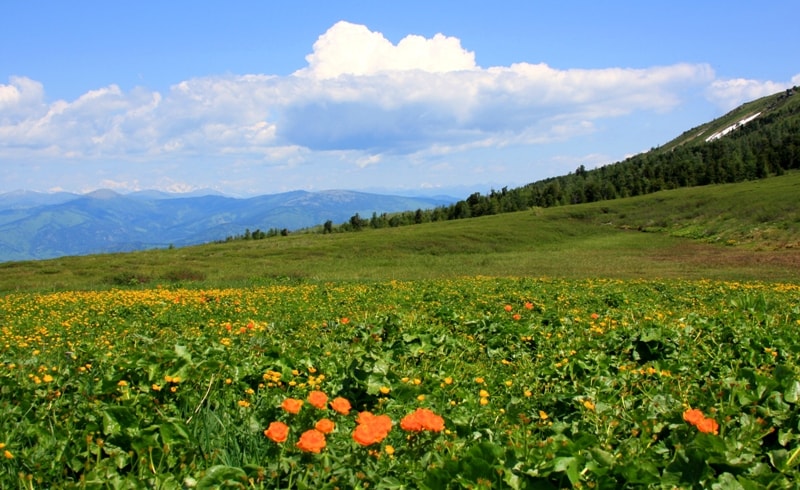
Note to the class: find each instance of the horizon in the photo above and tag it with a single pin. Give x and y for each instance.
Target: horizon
(412, 99)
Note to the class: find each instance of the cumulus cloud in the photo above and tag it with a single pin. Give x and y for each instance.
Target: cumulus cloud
(731, 93)
(21, 98)
(360, 95)
(352, 49)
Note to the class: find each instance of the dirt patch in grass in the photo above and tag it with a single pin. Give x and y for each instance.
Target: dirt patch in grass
(785, 262)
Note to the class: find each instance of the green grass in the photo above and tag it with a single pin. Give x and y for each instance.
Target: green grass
(747, 231)
(538, 383)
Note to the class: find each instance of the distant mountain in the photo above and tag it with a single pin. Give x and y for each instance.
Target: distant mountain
(39, 226)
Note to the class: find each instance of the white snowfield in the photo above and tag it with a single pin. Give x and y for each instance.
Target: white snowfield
(720, 134)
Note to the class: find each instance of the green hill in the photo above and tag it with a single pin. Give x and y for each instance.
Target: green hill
(719, 201)
(743, 231)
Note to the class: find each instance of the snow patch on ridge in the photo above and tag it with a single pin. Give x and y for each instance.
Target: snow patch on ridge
(720, 134)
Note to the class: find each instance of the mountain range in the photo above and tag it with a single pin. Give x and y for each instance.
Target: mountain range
(47, 225)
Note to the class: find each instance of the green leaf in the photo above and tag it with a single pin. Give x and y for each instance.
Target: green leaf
(182, 352)
(792, 393)
(568, 465)
(727, 481)
(173, 432)
(222, 476)
(603, 457)
(115, 419)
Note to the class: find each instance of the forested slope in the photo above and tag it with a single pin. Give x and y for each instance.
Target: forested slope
(767, 145)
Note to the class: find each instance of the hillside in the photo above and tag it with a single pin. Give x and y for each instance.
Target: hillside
(757, 140)
(745, 231)
(40, 226)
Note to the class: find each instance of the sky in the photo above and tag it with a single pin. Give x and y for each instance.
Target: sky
(412, 97)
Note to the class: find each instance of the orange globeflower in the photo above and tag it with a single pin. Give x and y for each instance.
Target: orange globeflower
(422, 419)
(292, 405)
(693, 416)
(708, 426)
(507, 307)
(431, 421)
(371, 428)
(325, 426)
(703, 424)
(318, 399)
(411, 423)
(277, 432)
(364, 435)
(341, 405)
(311, 441)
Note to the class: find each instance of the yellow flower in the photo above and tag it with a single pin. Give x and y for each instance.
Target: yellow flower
(421, 398)
(479, 380)
(155, 387)
(389, 449)
(47, 378)
(509, 383)
(122, 383)
(484, 401)
(385, 390)
(588, 404)
(8, 454)
(543, 415)
(243, 403)
(448, 380)
(483, 393)
(528, 393)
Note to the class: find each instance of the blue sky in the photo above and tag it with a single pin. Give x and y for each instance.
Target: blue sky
(409, 97)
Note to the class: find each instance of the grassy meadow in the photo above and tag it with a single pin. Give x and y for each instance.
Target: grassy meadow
(639, 343)
(746, 231)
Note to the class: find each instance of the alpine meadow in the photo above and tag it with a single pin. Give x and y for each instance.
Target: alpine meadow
(631, 326)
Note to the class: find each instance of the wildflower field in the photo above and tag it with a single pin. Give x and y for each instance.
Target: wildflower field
(464, 383)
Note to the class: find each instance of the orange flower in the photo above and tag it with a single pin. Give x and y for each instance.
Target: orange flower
(422, 419)
(411, 423)
(708, 426)
(365, 435)
(516, 316)
(507, 307)
(528, 305)
(371, 428)
(318, 399)
(311, 441)
(693, 416)
(341, 405)
(292, 405)
(325, 426)
(277, 432)
(703, 424)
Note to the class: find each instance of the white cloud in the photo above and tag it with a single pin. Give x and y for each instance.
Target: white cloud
(352, 49)
(22, 97)
(361, 99)
(729, 94)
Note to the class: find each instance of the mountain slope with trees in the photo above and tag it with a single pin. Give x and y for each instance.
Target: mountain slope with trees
(767, 145)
